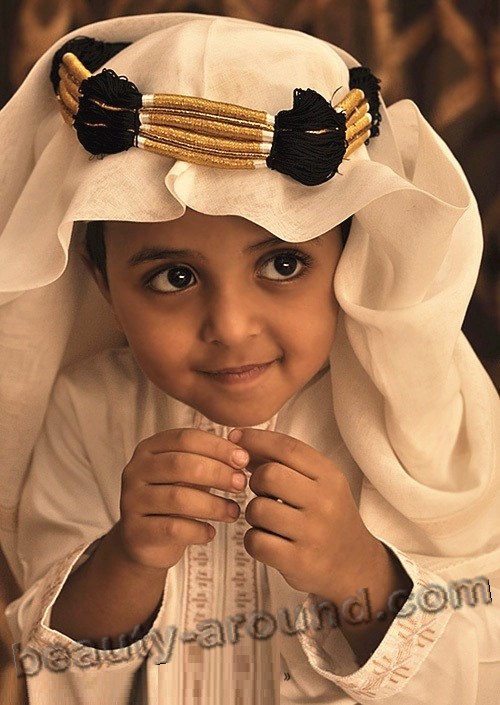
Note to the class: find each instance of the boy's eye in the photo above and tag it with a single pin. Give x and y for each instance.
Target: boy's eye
(172, 279)
(281, 266)
(284, 264)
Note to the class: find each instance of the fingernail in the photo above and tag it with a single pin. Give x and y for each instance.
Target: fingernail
(239, 480)
(235, 435)
(240, 457)
(233, 510)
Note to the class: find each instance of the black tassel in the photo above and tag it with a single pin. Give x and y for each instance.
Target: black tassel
(112, 127)
(301, 152)
(362, 78)
(91, 52)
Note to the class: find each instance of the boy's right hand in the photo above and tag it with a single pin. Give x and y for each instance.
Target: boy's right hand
(165, 490)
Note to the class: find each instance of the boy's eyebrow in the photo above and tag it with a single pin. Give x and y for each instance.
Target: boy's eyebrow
(274, 240)
(146, 253)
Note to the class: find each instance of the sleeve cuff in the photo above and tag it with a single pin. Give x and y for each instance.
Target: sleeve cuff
(417, 626)
(48, 648)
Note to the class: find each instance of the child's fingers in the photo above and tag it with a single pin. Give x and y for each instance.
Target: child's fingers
(255, 461)
(165, 493)
(177, 500)
(183, 531)
(192, 440)
(190, 469)
(160, 541)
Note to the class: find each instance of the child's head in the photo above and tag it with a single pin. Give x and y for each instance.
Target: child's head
(241, 296)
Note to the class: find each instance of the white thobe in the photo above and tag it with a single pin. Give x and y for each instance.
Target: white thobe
(264, 646)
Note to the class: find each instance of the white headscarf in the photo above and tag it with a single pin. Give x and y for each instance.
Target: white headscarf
(415, 407)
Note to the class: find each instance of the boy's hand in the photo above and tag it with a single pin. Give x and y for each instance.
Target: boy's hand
(166, 490)
(315, 537)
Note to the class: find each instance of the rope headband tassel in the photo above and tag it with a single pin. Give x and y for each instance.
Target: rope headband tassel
(307, 142)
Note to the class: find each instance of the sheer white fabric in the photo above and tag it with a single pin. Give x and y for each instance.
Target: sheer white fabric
(414, 407)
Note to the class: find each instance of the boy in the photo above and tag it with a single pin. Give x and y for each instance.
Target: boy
(366, 450)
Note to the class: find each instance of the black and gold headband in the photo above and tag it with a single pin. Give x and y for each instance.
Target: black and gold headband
(307, 142)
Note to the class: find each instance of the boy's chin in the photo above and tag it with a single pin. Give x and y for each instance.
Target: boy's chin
(239, 418)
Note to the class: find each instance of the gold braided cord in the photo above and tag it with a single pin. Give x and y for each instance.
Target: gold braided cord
(67, 115)
(358, 113)
(75, 68)
(214, 117)
(205, 126)
(352, 100)
(356, 128)
(113, 108)
(167, 144)
(216, 145)
(206, 132)
(68, 82)
(65, 75)
(357, 142)
(65, 108)
(203, 106)
(194, 157)
(67, 99)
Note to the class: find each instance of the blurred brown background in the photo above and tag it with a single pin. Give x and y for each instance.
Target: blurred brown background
(444, 54)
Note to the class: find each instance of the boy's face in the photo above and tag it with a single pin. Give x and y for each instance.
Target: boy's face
(231, 301)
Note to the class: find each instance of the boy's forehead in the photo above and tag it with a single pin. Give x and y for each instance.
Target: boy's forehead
(193, 226)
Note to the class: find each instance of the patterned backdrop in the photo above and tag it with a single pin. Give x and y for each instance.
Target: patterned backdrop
(444, 54)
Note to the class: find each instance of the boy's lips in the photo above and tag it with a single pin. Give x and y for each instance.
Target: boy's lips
(243, 375)
(237, 370)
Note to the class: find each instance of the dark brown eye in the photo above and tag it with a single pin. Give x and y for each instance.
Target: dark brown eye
(284, 265)
(172, 279)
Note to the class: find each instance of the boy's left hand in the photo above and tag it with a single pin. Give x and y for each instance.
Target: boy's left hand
(315, 537)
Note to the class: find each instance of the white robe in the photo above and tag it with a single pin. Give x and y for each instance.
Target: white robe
(99, 410)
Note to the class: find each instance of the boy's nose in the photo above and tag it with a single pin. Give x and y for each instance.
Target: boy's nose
(231, 316)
